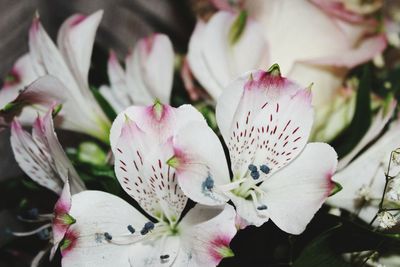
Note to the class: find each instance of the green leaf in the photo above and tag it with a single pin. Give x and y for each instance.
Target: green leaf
(320, 253)
(362, 116)
(344, 237)
(237, 27)
(107, 108)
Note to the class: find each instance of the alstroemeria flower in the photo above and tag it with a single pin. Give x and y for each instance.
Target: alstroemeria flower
(58, 222)
(314, 45)
(41, 156)
(148, 75)
(363, 180)
(69, 63)
(265, 121)
(109, 231)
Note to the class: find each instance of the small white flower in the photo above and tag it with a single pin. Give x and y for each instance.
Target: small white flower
(365, 192)
(396, 156)
(393, 194)
(386, 220)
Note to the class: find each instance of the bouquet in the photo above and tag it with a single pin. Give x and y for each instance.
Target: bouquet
(267, 137)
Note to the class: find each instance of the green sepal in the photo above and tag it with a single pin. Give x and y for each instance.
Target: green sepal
(56, 110)
(158, 109)
(274, 70)
(173, 162)
(225, 252)
(67, 219)
(336, 188)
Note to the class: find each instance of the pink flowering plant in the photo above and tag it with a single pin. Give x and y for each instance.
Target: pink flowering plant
(227, 133)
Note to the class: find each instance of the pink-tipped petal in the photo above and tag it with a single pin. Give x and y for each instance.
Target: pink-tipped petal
(96, 213)
(265, 119)
(62, 220)
(206, 233)
(160, 120)
(295, 193)
(75, 41)
(200, 164)
(149, 70)
(31, 160)
(41, 156)
(140, 166)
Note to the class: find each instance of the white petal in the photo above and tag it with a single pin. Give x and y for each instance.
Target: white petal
(247, 211)
(163, 127)
(96, 213)
(378, 123)
(41, 156)
(34, 162)
(157, 64)
(204, 231)
(198, 64)
(201, 166)
(46, 139)
(286, 43)
(368, 170)
(21, 74)
(140, 166)
(108, 94)
(83, 112)
(265, 120)
(75, 40)
(295, 193)
(216, 56)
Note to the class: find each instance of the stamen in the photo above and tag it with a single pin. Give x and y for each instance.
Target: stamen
(259, 206)
(131, 229)
(262, 207)
(208, 183)
(255, 175)
(164, 258)
(265, 169)
(252, 168)
(147, 227)
(33, 231)
(107, 236)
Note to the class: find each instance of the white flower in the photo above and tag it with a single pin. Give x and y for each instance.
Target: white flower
(69, 65)
(110, 232)
(42, 157)
(386, 220)
(265, 121)
(148, 75)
